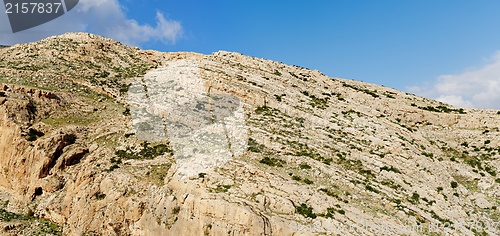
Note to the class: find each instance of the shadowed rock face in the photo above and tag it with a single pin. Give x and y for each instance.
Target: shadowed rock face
(205, 129)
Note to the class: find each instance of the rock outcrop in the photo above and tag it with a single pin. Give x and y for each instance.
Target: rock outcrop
(92, 144)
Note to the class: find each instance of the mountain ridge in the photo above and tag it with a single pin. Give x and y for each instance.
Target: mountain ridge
(319, 149)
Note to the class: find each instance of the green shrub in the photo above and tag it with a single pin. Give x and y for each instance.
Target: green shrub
(304, 166)
(306, 152)
(454, 184)
(33, 134)
(306, 211)
(124, 88)
(371, 188)
(367, 91)
(147, 152)
(391, 168)
(443, 109)
(428, 154)
(490, 170)
(48, 228)
(391, 184)
(126, 112)
(99, 196)
(7, 216)
(271, 161)
(308, 181)
(442, 220)
(297, 178)
(112, 168)
(330, 211)
(222, 188)
(279, 98)
(176, 210)
(415, 197)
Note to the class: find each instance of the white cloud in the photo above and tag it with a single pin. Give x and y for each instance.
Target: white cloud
(474, 88)
(103, 17)
(167, 31)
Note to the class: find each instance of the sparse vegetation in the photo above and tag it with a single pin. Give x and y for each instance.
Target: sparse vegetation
(355, 165)
(113, 167)
(253, 146)
(305, 151)
(321, 103)
(271, 161)
(371, 188)
(390, 168)
(330, 212)
(304, 166)
(279, 98)
(391, 184)
(146, 152)
(428, 154)
(99, 196)
(157, 173)
(34, 134)
(124, 88)
(333, 194)
(443, 109)
(306, 211)
(415, 198)
(367, 91)
(176, 210)
(307, 181)
(305, 140)
(126, 112)
(442, 220)
(6, 216)
(222, 188)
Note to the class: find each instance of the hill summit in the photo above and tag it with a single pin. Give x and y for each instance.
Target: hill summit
(99, 138)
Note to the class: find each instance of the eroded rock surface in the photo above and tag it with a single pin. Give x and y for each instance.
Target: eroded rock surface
(98, 138)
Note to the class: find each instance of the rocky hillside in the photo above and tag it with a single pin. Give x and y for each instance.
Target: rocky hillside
(99, 138)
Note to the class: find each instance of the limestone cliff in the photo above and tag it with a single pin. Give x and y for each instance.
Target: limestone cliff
(98, 138)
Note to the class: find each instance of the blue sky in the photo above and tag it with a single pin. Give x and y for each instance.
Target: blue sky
(447, 50)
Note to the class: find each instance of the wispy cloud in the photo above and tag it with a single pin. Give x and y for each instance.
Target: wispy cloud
(103, 17)
(473, 88)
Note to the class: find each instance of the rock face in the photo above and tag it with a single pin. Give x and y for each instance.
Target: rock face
(98, 138)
